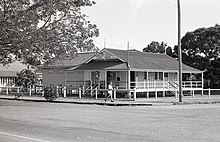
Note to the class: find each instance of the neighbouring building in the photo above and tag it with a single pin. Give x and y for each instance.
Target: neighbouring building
(8, 73)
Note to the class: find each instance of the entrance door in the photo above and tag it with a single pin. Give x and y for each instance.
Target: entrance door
(111, 77)
(95, 77)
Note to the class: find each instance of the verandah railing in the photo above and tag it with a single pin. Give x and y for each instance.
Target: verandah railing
(157, 84)
(164, 84)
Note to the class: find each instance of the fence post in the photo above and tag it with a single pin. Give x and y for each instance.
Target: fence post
(114, 94)
(7, 91)
(193, 94)
(83, 91)
(147, 94)
(18, 90)
(64, 91)
(176, 95)
(156, 94)
(96, 93)
(135, 94)
(57, 91)
(42, 93)
(80, 93)
(30, 91)
(91, 90)
(209, 95)
(164, 94)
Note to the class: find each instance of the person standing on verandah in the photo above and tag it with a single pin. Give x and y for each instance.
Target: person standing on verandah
(110, 92)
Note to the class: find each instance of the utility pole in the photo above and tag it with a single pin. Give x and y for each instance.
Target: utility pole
(128, 71)
(179, 51)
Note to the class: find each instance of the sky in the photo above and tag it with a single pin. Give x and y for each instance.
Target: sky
(142, 21)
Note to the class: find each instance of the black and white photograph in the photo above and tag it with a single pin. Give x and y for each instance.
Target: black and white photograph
(109, 71)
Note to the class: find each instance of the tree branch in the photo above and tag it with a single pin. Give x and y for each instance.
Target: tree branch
(49, 19)
(36, 5)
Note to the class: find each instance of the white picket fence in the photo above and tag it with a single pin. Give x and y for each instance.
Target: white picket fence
(30, 91)
(20, 90)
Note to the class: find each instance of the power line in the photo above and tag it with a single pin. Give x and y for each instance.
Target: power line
(137, 30)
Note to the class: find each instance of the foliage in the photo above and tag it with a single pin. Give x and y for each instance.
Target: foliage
(26, 78)
(155, 47)
(35, 31)
(50, 93)
(169, 51)
(201, 49)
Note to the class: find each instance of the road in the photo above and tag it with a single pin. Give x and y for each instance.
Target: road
(51, 122)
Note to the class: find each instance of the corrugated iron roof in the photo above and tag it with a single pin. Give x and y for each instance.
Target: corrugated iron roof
(79, 59)
(102, 65)
(137, 61)
(150, 61)
(12, 69)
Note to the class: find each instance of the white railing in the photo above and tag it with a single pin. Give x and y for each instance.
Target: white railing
(192, 84)
(164, 84)
(16, 90)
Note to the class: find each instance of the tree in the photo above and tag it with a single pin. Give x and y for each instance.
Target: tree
(35, 31)
(155, 47)
(169, 51)
(202, 50)
(50, 93)
(26, 78)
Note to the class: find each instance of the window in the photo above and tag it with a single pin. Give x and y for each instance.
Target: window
(165, 74)
(145, 75)
(118, 78)
(160, 76)
(156, 75)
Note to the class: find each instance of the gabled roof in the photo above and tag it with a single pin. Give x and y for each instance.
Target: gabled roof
(12, 69)
(67, 63)
(102, 65)
(145, 61)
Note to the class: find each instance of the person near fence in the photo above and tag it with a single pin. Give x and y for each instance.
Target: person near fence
(110, 92)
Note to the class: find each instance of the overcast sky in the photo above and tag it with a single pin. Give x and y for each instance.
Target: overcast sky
(142, 21)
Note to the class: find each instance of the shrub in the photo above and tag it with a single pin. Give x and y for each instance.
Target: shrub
(50, 93)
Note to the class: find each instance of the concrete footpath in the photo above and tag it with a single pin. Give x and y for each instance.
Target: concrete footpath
(160, 101)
